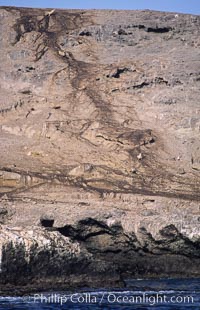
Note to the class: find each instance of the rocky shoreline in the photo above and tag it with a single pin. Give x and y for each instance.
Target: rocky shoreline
(94, 254)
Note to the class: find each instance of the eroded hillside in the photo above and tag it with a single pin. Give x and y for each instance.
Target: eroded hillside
(99, 136)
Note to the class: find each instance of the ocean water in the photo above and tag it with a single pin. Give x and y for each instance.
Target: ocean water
(163, 294)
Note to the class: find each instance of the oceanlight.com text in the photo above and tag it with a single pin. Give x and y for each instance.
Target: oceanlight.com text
(111, 298)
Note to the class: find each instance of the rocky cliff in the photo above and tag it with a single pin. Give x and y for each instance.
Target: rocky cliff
(100, 151)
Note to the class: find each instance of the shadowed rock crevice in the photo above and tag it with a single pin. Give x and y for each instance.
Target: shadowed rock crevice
(97, 237)
(159, 29)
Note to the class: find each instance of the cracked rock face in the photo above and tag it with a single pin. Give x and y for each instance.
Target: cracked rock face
(99, 145)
